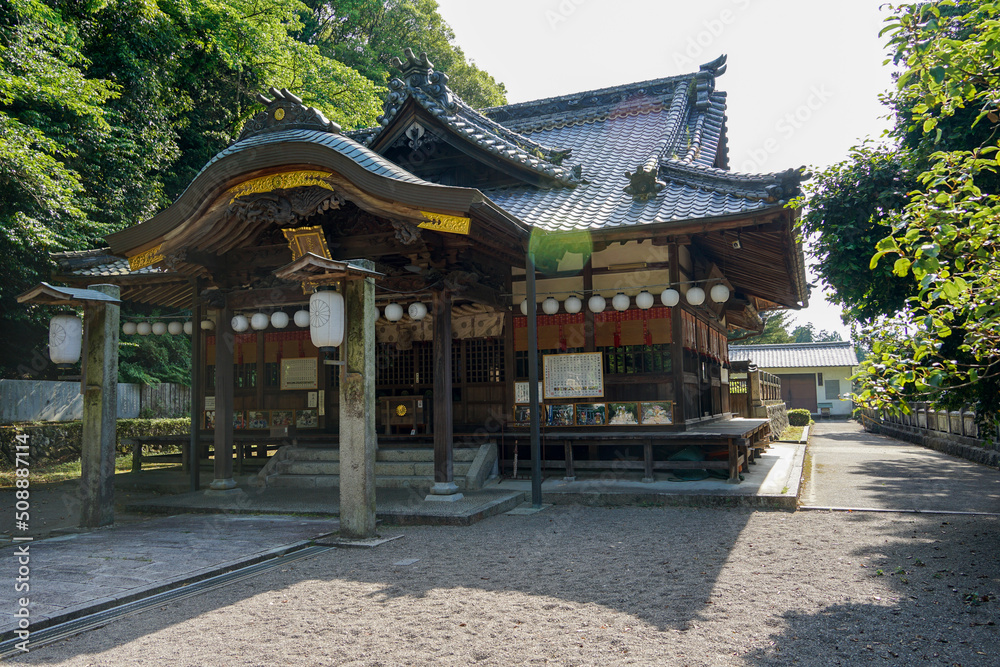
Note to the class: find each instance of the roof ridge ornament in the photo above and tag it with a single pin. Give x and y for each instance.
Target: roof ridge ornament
(419, 76)
(286, 112)
(643, 183)
(704, 81)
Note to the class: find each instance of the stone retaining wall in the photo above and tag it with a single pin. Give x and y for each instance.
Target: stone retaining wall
(963, 446)
(61, 441)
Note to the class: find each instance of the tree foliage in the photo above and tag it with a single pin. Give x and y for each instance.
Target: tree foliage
(109, 108)
(941, 342)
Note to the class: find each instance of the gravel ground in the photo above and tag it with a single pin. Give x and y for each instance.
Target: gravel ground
(596, 586)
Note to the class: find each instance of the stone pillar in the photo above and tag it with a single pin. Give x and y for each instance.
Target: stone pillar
(225, 343)
(100, 410)
(444, 484)
(357, 409)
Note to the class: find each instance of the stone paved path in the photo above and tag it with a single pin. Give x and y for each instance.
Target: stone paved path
(85, 569)
(847, 467)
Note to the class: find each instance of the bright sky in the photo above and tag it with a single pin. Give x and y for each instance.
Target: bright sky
(803, 80)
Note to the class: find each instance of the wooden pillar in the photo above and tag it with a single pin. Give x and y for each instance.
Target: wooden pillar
(197, 389)
(677, 338)
(536, 419)
(444, 485)
(225, 342)
(357, 409)
(100, 410)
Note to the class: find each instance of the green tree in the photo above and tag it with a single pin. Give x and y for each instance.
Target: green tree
(47, 106)
(775, 331)
(368, 34)
(941, 343)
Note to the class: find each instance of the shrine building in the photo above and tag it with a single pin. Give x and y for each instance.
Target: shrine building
(647, 252)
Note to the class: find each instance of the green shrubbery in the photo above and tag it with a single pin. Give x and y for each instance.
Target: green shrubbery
(61, 441)
(799, 417)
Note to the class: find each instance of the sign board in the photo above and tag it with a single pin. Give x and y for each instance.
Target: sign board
(299, 373)
(521, 393)
(573, 375)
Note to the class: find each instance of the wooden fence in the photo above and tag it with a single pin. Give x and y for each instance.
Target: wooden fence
(52, 401)
(755, 394)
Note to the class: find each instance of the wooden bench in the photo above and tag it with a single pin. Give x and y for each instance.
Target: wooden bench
(246, 445)
(743, 439)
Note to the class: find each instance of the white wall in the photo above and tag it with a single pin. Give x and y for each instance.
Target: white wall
(837, 373)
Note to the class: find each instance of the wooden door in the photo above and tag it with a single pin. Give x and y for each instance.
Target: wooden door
(799, 391)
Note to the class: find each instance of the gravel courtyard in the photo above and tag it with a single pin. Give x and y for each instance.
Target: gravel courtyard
(595, 586)
(626, 586)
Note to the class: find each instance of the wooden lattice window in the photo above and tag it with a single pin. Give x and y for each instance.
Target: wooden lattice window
(484, 358)
(393, 366)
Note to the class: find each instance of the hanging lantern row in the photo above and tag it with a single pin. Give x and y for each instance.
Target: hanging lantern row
(159, 328)
(259, 321)
(416, 310)
(621, 301)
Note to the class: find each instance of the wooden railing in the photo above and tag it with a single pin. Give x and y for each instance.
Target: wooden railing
(755, 394)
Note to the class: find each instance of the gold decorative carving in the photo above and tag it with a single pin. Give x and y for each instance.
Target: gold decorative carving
(440, 222)
(307, 239)
(279, 113)
(401, 410)
(285, 181)
(145, 258)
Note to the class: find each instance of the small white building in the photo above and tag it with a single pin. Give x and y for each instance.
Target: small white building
(814, 376)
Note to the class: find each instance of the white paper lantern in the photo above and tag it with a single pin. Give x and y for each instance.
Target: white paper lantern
(159, 328)
(240, 323)
(417, 311)
(175, 328)
(188, 328)
(573, 305)
(326, 319)
(65, 339)
(207, 325)
(394, 312)
(550, 306)
(279, 319)
(670, 297)
(128, 328)
(301, 318)
(695, 296)
(719, 293)
(597, 303)
(644, 300)
(621, 301)
(259, 321)
(524, 307)
(143, 328)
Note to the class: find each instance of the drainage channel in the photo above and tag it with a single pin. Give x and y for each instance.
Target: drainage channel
(883, 510)
(92, 621)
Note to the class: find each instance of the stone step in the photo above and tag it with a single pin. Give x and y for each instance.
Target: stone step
(387, 455)
(463, 454)
(382, 468)
(328, 481)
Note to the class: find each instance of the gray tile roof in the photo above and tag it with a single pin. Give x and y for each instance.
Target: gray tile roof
(100, 262)
(344, 145)
(796, 355)
(429, 89)
(664, 140)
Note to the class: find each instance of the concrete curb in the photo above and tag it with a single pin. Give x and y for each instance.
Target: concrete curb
(102, 604)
